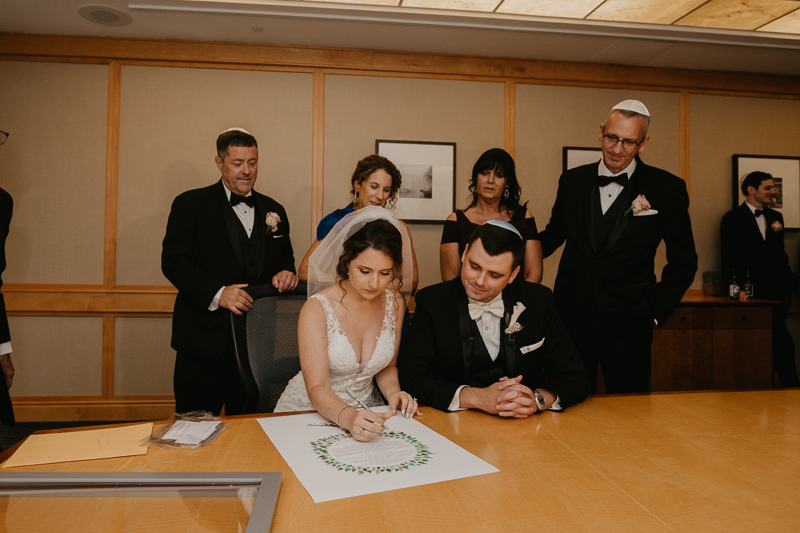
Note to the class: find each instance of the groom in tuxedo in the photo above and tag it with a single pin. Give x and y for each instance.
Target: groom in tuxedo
(613, 215)
(480, 342)
(219, 240)
(752, 244)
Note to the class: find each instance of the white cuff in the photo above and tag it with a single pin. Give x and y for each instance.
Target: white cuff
(556, 405)
(5, 348)
(215, 302)
(455, 405)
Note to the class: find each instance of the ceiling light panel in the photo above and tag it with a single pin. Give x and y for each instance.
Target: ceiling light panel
(455, 5)
(737, 14)
(393, 3)
(574, 9)
(646, 11)
(787, 24)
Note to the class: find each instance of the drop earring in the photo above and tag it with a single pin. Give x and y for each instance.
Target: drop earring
(505, 193)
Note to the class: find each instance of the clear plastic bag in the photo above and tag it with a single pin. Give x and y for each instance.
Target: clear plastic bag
(181, 430)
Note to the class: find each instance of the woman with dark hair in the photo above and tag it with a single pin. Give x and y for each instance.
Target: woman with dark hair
(347, 333)
(376, 181)
(495, 196)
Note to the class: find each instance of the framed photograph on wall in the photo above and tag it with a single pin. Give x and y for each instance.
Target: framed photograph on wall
(574, 156)
(428, 193)
(785, 171)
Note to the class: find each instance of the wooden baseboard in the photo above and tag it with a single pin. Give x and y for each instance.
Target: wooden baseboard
(81, 411)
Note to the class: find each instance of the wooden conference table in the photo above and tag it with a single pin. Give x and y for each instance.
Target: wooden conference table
(706, 461)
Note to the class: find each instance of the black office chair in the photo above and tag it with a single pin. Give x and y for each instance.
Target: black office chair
(265, 342)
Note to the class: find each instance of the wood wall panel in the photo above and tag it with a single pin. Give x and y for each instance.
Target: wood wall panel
(104, 48)
(169, 122)
(143, 358)
(54, 166)
(361, 109)
(57, 356)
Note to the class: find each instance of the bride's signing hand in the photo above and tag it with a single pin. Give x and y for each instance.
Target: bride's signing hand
(368, 425)
(405, 403)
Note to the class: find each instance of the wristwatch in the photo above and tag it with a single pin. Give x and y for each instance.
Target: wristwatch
(540, 400)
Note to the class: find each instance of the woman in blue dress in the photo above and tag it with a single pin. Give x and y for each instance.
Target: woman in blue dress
(375, 182)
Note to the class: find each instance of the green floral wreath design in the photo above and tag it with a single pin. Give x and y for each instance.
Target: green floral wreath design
(322, 445)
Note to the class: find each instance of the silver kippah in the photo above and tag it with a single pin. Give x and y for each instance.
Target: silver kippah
(632, 105)
(237, 129)
(505, 225)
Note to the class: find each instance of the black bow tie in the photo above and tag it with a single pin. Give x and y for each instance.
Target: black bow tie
(622, 179)
(236, 200)
(758, 212)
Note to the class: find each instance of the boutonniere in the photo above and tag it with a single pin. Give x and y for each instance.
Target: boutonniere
(638, 206)
(512, 326)
(272, 222)
(777, 226)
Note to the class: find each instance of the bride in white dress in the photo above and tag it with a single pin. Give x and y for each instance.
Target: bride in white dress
(349, 329)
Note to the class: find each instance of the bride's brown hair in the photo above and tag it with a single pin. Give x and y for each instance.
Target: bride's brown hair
(379, 235)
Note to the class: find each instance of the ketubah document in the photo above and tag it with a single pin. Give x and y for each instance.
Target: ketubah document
(331, 465)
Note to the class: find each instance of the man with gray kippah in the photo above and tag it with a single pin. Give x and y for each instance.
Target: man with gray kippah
(480, 342)
(613, 215)
(219, 240)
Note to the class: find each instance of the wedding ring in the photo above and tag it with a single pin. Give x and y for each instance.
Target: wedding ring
(361, 432)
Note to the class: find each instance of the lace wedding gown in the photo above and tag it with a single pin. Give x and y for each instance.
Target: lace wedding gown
(345, 371)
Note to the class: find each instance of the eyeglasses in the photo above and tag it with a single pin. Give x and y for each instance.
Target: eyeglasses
(3, 136)
(612, 140)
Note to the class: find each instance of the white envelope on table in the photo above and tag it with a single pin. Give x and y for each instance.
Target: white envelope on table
(532, 347)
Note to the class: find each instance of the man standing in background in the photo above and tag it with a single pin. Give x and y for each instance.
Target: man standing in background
(752, 244)
(613, 215)
(219, 240)
(6, 209)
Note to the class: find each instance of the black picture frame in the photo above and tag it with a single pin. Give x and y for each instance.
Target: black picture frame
(428, 193)
(786, 172)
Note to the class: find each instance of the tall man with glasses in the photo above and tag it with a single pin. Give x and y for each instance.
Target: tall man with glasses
(613, 215)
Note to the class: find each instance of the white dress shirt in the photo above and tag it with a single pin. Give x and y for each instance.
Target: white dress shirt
(609, 193)
(761, 221)
(247, 216)
(490, 328)
(5, 348)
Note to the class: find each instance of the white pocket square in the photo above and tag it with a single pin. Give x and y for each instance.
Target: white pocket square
(532, 347)
(647, 213)
(277, 236)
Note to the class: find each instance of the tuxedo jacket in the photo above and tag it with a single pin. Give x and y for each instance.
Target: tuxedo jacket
(436, 354)
(621, 274)
(6, 210)
(202, 252)
(743, 248)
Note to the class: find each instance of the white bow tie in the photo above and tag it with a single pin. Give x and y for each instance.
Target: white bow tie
(478, 309)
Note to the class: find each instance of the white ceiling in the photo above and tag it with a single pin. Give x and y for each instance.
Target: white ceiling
(421, 30)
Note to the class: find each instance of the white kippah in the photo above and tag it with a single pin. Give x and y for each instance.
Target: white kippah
(505, 225)
(237, 129)
(632, 105)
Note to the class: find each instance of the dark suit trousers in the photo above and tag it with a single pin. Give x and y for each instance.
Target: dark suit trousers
(783, 349)
(203, 384)
(620, 342)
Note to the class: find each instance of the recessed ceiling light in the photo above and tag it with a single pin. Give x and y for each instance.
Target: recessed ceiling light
(106, 15)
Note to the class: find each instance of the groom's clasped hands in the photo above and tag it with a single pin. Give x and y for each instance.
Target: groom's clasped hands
(507, 397)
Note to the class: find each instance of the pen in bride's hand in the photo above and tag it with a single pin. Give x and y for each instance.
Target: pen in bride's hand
(365, 406)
